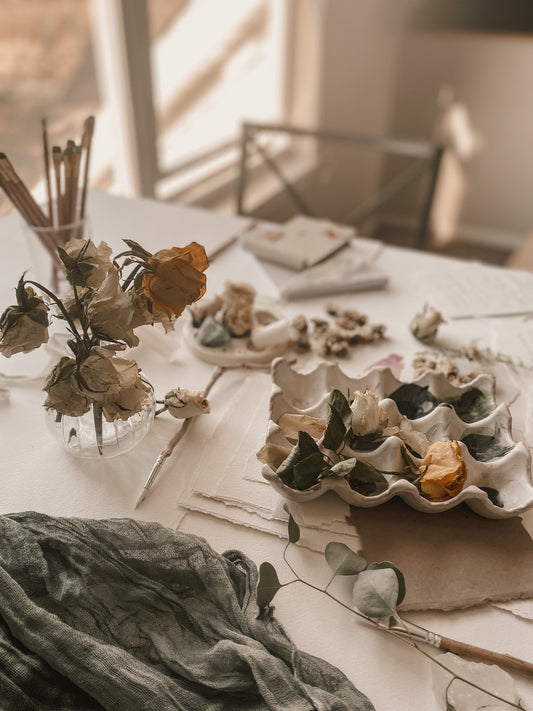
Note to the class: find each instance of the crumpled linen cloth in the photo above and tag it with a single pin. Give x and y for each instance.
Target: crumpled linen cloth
(122, 614)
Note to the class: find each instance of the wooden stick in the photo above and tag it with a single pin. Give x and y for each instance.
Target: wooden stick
(76, 159)
(67, 166)
(478, 654)
(57, 158)
(86, 142)
(31, 210)
(167, 451)
(47, 169)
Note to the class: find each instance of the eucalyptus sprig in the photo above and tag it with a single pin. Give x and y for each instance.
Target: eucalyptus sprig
(378, 589)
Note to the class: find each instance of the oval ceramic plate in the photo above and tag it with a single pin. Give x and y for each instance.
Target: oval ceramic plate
(498, 483)
(237, 352)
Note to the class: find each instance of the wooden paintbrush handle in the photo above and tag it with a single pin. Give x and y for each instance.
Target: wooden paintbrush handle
(478, 654)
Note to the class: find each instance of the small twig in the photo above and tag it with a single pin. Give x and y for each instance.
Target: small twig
(167, 451)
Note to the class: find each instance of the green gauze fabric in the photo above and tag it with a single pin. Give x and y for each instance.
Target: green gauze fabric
(123, 614)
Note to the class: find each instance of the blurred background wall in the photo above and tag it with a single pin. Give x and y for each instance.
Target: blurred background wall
(192, 70)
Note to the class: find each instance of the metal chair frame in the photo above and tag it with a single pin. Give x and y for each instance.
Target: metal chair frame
(429, 157)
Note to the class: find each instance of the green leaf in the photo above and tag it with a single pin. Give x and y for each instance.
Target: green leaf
(267, 586)
(338, 401)
(335, 430)
(414, 401)
(473, 405)
(342, 560)
(304, 463)
(307, 471)
(366, 479)
(375, 593)
(399, 575)
(486, 447)
(294, 530)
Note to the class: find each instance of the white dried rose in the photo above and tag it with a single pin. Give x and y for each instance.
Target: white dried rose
(64, 392)
(425, 325)
(367, 415)
(183, 403)
(25, 336)
(111, 311)
(113, 382)
(238, 300)
(98, 257)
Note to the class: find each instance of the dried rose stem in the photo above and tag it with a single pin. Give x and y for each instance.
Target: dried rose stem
(167, 451)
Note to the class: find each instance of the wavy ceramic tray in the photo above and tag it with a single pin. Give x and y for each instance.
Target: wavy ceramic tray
(440, 410)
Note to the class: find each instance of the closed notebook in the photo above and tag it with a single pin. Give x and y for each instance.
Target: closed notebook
(299, 243)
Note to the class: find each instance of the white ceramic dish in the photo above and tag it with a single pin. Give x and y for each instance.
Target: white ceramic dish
(503, 468)
(237, 352)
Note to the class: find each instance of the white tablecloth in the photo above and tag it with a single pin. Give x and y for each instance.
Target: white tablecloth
(35, 474)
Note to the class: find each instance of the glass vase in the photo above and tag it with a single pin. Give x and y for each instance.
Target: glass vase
(91, 436)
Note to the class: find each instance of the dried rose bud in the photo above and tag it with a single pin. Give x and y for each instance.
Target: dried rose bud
(425, 325)
(444, 471)
(183, 403)
(367, 415)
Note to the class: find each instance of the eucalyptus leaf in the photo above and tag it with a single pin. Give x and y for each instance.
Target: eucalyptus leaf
(294, 530)
(267, 586)
(342, 560)
(399, 575)
(375, 592)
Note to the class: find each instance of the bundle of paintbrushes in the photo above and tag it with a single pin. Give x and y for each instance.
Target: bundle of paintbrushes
(66, 174)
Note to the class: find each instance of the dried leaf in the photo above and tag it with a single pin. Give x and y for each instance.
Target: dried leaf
(342, 560)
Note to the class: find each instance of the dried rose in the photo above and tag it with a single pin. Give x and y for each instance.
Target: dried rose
(24, 326)
(111, 311)
(183, 403)
(64, 393)
(273, 455)
(85, 263)
(367, 416)
(444, 471)
(290, 424)
(238, 299)
(113, 382)
(404, 430)
(425, 325)
(177, 279)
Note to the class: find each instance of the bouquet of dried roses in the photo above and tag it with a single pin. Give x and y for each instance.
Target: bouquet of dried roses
(108, 300)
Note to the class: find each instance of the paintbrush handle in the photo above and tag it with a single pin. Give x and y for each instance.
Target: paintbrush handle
(478, 654)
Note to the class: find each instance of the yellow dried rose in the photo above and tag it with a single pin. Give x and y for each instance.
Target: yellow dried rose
(177, 279)
(444, 471)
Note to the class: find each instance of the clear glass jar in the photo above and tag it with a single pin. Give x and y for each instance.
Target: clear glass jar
(79, 435)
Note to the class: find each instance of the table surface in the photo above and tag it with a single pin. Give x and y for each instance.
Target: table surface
(36, 474)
